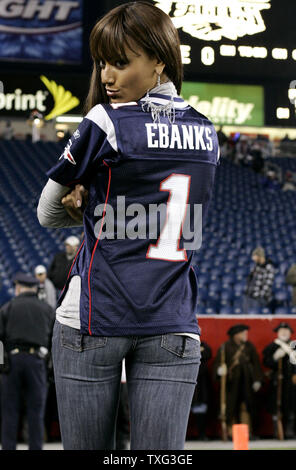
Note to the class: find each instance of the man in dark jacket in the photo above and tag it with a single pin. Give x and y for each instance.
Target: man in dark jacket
(25, 329)
(260, 281)
(200, 400)
(274, 353)
(62, 262)
(244, 376)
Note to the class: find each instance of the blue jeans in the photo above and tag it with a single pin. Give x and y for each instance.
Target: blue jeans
(161, 377)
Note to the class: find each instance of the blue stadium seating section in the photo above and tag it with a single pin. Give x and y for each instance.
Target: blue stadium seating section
(23, 242)
(242, 215)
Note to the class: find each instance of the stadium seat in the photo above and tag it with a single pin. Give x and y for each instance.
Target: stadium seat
(227, 310)
(254, 311)
(227, 295)
(239, 287)
(282, 311)
(265, 311)
(237, 310)
(281, 297)
(214, 286)
(211, 311)
(201, 310)
(213, 301)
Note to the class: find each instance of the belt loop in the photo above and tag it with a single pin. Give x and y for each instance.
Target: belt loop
(134, 342)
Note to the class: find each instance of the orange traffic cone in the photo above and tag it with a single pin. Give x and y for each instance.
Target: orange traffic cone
(240, 436)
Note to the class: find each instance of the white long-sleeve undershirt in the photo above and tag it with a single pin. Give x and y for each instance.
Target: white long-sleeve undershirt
(50, 211)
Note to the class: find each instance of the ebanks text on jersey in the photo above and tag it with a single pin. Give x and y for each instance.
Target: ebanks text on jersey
(179, 137)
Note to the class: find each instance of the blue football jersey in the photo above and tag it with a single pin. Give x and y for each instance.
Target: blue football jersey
(147, 183)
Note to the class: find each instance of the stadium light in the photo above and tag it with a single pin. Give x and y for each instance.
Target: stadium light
(69, 119)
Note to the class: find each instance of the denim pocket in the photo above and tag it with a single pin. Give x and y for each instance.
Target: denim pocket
(182, 346)
(71, 338)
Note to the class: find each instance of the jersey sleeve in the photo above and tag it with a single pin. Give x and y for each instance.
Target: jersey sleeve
(86, 149)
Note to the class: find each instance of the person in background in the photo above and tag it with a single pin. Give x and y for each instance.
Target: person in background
(8, 132)
(36, 121)
(223, 140)
(242, 147)
(291, 280)
(244, 377)
(62, 262)
(46, 289)
(280, 350)
(257, 154)
(260, 281)
(286, 138)
(25, 329)
(270, 181)
(201, 398)
(289, 184)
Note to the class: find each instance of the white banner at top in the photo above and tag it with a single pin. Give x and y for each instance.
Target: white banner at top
(212, 20)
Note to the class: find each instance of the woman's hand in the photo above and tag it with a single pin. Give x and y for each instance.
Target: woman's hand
(75, 202)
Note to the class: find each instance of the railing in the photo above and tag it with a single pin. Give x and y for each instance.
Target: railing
(285, 149)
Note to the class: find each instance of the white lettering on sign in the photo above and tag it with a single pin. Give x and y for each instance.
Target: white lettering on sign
(223, 109)
(185, 53)
(227, 50)
(207, 55)
(60, 10)
(20, 101)
(213, 20)
(279, 53)
(256, 52)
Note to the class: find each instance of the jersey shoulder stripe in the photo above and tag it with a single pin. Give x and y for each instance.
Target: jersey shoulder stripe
(100, 117)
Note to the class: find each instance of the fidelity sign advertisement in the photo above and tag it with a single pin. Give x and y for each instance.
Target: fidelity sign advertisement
(51, 94)
(227, 104)
(41, 30)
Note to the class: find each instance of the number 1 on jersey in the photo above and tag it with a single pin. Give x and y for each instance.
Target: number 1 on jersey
(167, 246)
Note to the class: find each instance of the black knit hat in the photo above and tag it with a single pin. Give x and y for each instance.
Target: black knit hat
(237, 329)
(283, 324)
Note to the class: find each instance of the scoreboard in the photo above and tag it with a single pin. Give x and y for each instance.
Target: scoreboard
(235, 39)
(240, 40)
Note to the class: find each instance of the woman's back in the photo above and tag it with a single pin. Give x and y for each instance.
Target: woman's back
(147, 183)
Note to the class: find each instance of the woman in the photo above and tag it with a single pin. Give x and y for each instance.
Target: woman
(131, 292)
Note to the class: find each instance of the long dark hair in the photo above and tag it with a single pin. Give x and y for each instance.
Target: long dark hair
(145, 25)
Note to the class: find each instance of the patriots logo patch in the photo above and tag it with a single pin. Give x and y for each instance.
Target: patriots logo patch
(67, 155)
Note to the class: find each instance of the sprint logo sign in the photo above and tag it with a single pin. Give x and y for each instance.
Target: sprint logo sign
(52, 101)
(64, 101)
(212, 20)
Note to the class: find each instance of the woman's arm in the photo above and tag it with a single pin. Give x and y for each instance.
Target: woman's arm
(51, 212)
